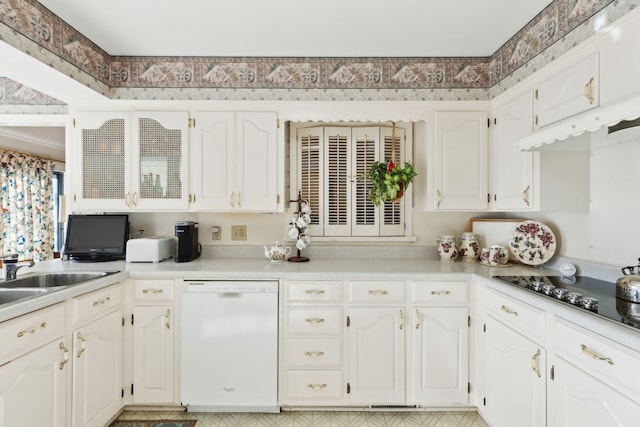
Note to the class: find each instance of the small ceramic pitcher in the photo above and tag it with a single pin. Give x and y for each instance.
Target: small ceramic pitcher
(447, 250)
(498, 255)
(468, 246)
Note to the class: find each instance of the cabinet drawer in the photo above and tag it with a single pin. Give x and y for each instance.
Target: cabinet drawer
(527, 320)
(154, 290)
(94, 304)
(612, 363)
(23, 334)
(376, 292)
(314, 321)
(444, 293)
(315, 387)
(313, 353)
(318, 291)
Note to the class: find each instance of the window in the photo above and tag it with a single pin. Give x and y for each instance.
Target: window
(327, 161)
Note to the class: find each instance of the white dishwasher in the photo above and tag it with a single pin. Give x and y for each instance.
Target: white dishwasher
(230, 346)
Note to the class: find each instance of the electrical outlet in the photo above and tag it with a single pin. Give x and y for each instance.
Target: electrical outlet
(216, 232)
(238, 232)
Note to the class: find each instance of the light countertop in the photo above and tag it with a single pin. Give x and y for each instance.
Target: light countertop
(388, 269)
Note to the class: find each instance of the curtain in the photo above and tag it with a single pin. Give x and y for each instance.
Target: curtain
(27, 204)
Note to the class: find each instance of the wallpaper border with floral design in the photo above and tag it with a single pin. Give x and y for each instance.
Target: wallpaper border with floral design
(30, 27)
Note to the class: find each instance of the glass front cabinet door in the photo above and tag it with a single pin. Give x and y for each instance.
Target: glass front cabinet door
(129, 161)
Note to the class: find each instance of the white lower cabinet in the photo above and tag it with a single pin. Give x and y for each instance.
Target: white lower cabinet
(516, 379)
(61, 366)
(375, 344)
(154, 337)
(35, 384)
(312, 357)
(581, 400)
(97, 357)
(596, 382)
(97, 364)
(440, 355)
(376, 351)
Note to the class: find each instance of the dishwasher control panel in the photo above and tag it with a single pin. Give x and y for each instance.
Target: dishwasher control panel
(213, 286)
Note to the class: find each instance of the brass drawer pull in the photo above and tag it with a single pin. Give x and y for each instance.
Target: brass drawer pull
(509, 311)
(314, 320)
(314, 291)
(314, 353)
(32, 331)
(316, 386)
(525, 195)
(440, 292)
(101, 302)
(83, 344)
(586, 350)
(66, 355)
(152, 291)
(167, 319)
(587, 91)
(534, 363)
(378, 292)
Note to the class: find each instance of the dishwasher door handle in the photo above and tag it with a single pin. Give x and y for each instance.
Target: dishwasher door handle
(229, 294)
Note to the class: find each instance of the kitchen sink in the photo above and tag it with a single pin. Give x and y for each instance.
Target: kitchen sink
(54, 280)
(8, 295)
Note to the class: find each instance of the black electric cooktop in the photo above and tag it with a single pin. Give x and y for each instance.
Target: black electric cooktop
(585, 293)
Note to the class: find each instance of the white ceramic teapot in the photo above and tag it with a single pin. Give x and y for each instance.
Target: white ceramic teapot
(277, 253)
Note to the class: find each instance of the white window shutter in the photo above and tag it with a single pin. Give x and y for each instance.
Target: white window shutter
(392, 214)
(365, 149)
(337, 195)
(310, 172)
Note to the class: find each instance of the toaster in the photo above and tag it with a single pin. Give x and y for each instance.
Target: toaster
(150, 249)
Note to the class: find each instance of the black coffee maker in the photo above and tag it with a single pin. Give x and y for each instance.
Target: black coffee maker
(188, 246)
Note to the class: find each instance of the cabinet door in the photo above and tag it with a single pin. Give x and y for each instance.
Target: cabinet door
(97, 371)
(34, 389)
(569, 91)
(440, 373)
(160, 156)
(234, 163)
(460, 161)
(153, 355)
(512, 170)
(212, 161)
(515, 378)
(99, 161)
(580, 400)
(256, 164)
(376, 356)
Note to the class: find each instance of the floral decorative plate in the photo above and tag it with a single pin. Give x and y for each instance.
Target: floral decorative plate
(532, 242)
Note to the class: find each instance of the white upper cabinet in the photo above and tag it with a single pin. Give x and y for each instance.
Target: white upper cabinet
(234, 162)
(459, 161)
(126, 161)
(512, 171)
(620, 60)
(160, 156)
(567, 91)
(99, 158)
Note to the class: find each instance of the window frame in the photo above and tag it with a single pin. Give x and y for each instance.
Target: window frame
(317, 231)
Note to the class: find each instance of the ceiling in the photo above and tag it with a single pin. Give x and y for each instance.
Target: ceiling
(46, 141)
(298, 28)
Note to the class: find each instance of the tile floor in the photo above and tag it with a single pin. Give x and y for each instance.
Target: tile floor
(321, 419)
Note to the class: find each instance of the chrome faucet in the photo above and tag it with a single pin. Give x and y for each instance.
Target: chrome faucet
(11, 265)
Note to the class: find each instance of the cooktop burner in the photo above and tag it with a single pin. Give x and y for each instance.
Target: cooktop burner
(586, 293)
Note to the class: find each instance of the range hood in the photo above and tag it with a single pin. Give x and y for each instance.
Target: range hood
(621, 120)
(625, 131)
